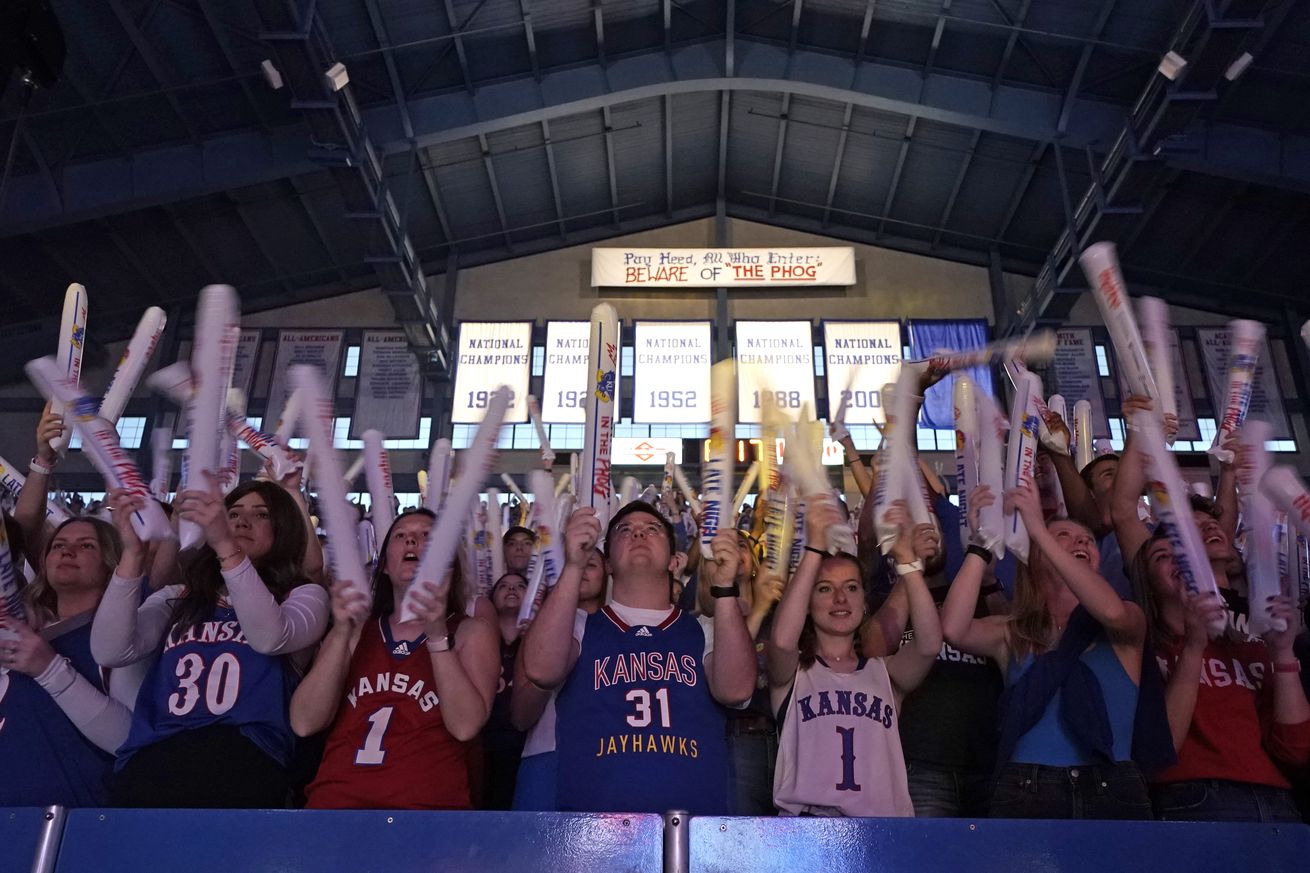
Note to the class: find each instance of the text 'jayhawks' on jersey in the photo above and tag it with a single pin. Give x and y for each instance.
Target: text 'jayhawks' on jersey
(638, 730)
(389, 747)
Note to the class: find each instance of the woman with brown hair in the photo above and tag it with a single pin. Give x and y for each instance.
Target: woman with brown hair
(1072, 655)
(210, 727)
(839, 750)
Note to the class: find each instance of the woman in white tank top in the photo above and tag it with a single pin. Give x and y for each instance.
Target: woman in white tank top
(839, 749)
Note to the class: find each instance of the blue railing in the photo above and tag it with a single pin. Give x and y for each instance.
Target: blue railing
(287, 841)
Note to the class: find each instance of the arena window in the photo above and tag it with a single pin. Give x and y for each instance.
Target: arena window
(351, 367)
(131, 429)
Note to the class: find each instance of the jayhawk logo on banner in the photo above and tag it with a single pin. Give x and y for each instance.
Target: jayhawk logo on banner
(605, 385)
(79, 334)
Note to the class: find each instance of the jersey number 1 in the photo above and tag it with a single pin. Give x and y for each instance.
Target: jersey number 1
(372, 753)
(847, 782)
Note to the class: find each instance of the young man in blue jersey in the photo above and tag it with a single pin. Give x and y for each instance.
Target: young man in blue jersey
(637, 722)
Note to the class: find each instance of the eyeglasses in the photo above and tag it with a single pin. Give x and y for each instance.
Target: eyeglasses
(627, 528)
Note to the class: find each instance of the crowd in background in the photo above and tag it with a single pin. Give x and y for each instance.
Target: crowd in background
(912, 675)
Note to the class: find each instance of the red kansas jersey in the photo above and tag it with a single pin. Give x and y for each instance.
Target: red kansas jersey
(389, 747)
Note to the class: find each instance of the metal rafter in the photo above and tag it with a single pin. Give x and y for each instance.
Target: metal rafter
(668, 25)
(1010, 41)
(955, 189)
(225, 47)
(598, 14)
(837, 159)
(312, 217)
(428, 175)
(530, 35)
(152, 64)
(609, 162)
(193, 244)
(135, 262)
(779, 148)
(495, 191)
(904, 152)
(554, 178)
(1021, 190)
(455, 29)
(259, 243)
(668, 154)
(1076, 81)
(1023, 43)
(393, 74)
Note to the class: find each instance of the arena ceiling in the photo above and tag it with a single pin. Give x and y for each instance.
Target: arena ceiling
(1000, 132)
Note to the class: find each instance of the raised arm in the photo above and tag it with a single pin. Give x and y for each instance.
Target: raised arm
(978, 636)
(783, 653)
(549, 649)
(29, 509)
(731, 666)
(1225, 493)
(1078, 499)
(1129, 481)
(125, 630)
(1122, 619)
(911, 663)
(1181, 690)
(317, 697)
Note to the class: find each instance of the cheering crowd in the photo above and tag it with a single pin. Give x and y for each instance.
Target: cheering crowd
(914, 674)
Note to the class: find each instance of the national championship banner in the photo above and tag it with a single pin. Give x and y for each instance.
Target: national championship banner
(861, 357)
(1187, 426)
(491, 354)
(389, 390)
(1077, 377)
(721, 268)
(564, 380)
(1266, 396)
(671, 372)
(315, 348)
(775, 361)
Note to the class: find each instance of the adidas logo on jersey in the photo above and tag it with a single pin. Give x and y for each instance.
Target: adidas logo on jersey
(643, 631)
(401, 648)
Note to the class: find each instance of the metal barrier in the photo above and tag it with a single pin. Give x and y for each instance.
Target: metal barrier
(292, 841)
(837, 845)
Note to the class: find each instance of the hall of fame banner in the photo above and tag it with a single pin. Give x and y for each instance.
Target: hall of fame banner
(775, 363)
(671, 372)
(491, 354)
(721, 268)
(1266, 396)
(861, 357)
(564, 379)
(389, 389)
(243, 367)
(1187, 426)
(1077, 376)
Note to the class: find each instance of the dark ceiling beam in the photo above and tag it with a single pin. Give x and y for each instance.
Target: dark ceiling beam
(429, 176)
(153, 64)
(530, 35)
(490, 167)
(1015, 25)
(1021, 189)
(233, 160)
(459, 45)
(134, 261)
(1011, 40)
(554, 179)
(779, 148)
(945, 219)
(837, 158)
(225, 47)
(298, 189)
(393, 74)
(265, 250)
(725, 101)
(938, 30)
(611, 174)
(667, 13)
(1084, 57)
(667, 101)
(212, 273)
(598, 18)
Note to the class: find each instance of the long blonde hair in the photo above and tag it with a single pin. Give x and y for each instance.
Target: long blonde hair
(40, 597)
(1031, 626)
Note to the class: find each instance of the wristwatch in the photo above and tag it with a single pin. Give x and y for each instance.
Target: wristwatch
(436, 645)
(912, 567)
(733, 590)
